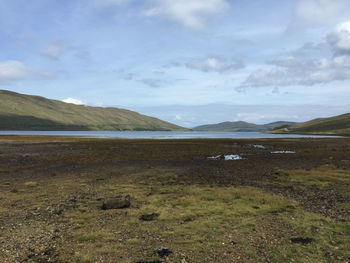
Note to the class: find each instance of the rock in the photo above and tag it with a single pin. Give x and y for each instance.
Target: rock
(149, 217)
(118, 202)
(163, 251)
(152, 261)
(301, 240)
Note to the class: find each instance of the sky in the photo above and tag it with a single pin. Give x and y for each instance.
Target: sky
(189, 62)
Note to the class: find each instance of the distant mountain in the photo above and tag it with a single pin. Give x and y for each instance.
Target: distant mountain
(241, 126)
(338, 125)
(25, 112)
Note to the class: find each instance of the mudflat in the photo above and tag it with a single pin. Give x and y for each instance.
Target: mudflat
(198, 200)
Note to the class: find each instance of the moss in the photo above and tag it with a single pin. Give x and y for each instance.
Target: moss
(92, 236)
(133, 241)
(83, 258)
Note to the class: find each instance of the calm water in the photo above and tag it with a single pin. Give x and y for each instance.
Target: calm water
(158, 135)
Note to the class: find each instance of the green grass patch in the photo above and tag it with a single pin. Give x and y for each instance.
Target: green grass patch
(321, 177)
(92, 236)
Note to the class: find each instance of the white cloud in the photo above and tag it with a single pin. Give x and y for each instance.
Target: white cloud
(73, 101)
(189, 13)
(53, 51)
(320, 12)
(178, 117)
(106, 3)
(15, 70)
(339, 39)
(263, 78)
(302, 65)
(215, 64)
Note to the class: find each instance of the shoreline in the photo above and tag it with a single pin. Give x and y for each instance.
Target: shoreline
(163, 135)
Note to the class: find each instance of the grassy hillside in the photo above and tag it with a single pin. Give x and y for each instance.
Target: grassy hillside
(24, 112)
(241, 126)
(338, 125)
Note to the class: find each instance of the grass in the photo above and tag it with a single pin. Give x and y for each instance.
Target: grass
(31, 184)
(322, 177)
(91, 237)
(219, 219)
(331, 238)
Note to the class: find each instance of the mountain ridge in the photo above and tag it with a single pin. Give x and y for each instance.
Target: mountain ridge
(336, 125)
(30, 112)
(242, 126)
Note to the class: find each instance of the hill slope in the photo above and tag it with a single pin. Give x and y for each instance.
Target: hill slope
(25, 112)
(338, 125)
(241, 126)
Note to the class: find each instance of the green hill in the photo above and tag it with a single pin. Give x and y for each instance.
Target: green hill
(25, 112)
(241, 126)
(338, 125)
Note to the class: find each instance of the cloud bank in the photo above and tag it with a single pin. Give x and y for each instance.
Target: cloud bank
(314, 13)
(215, 64)
(301, 68)
(189, 13)
(13, 70)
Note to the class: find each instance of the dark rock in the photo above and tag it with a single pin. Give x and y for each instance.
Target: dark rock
(163, 251)
(152, 261)
(149, 217)
(117, 203)
(301, 240)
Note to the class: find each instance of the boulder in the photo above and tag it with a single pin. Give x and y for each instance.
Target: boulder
(149, 217)
(118, 202)
(163, 252)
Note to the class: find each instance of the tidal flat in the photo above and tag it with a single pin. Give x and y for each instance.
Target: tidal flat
(287, 200)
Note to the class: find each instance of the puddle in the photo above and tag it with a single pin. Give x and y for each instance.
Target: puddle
(281, 152)
(229, 157)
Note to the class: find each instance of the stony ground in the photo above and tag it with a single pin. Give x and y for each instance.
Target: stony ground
(266, 207)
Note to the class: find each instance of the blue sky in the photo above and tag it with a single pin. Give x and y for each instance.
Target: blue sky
(189, 62)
